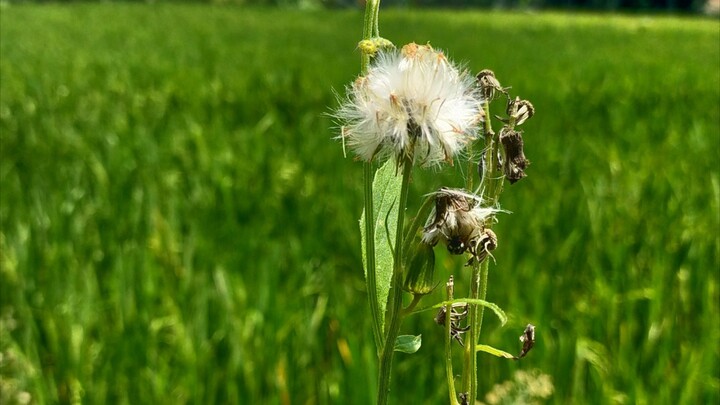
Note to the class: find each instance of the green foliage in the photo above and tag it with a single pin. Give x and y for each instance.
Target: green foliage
(494, 351)
(386, 187)
(408, 343)
(177, 225)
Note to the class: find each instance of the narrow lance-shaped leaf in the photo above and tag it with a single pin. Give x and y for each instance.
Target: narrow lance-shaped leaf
(493, 351)
(386, 191)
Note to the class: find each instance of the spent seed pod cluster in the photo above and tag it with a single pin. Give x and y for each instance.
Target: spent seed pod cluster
(518, 111)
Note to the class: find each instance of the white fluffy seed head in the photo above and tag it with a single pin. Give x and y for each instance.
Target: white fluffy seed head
(412, 102)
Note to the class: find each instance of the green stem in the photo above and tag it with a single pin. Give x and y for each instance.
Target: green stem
(469, 376)
(492, 187)
(448, 345)
(370, 24)
(482, 293)
(376, 20)
(469, 380)
(370, 28)
(411, 307)
(480, 278)
(493, 172)
(394, 312)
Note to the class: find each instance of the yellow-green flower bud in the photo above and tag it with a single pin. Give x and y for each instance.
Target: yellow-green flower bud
(373, 45)
(420, 270)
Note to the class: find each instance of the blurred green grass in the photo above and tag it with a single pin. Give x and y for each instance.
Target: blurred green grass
(178, 227)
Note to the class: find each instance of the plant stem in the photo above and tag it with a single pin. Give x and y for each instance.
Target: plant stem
(448, 344)
(492, 186)
(370, 29)
(370, 23)
(469, 376)
(480, 278)
(493, 175)
(411, 307)
(469, 380)
(394, 312)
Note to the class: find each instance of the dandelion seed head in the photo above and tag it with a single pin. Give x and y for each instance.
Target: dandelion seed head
(412, 102)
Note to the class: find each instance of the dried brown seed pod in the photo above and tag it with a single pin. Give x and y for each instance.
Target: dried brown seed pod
(489, 85)
(520, 110)
(515, 161)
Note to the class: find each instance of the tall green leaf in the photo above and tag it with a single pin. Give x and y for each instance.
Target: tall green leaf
(386, 191)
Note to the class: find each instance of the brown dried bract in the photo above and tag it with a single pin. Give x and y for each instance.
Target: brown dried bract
(489, 85)
(515, 161)
(521, 110)
(458, 313)
(484, 244)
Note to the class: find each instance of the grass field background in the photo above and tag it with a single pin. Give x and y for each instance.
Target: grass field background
(177, 225)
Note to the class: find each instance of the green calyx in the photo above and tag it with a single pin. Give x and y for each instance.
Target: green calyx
(420, 270)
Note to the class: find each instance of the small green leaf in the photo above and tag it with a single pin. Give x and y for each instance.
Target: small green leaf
(386, 191)
(493, 351)
(408, 343)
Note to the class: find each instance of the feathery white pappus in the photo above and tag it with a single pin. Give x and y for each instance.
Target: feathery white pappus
(411, 103)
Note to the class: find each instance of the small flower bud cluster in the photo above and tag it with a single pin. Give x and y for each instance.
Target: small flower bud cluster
(373, 45)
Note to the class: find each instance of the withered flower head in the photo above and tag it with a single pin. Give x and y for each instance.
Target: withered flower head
(486, 243)
(458, 220)
(515, 161)
(489, 85)
(458, 312)
(520, 110)
(527, 339)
